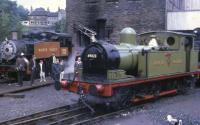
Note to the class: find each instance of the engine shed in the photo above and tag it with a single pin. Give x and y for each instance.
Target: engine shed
(142, 15)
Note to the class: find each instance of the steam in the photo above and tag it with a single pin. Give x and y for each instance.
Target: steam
(69, 64)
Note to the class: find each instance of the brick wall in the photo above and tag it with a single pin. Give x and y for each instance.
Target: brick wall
(142, 15)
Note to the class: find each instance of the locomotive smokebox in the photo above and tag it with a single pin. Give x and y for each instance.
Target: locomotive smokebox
(101, 24)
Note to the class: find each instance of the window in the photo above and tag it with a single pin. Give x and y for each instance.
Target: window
(170, 41)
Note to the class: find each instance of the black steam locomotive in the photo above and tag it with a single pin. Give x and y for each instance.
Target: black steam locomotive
(41, 44)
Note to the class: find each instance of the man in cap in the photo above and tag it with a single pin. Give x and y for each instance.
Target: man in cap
(153, 42)
(21, 66)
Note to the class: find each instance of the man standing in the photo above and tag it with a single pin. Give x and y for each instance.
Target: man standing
(52, 61)
(78, 64)
(21, 65)
(42, 73)
(33, 69)
(62, 68)
(53, 58)
(56, 69)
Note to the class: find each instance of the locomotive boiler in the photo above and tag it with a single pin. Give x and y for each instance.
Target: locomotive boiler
(40, 44)
(156, 64)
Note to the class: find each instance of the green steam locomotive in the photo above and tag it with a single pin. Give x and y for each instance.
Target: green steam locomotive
(141, 67)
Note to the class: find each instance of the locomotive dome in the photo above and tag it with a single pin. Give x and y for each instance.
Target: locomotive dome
(128, 30)
(128, 35)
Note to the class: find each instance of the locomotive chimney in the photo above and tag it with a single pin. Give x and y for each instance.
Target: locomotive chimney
(101, 24)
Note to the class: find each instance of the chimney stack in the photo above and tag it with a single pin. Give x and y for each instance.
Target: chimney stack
(101, 25)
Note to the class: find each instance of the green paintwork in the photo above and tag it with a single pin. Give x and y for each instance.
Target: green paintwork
(165, 63)
(168, 59)
(128, 58)
(162, 38)
(194, 61)
(128, 35)
(116, 74)
(142, 65)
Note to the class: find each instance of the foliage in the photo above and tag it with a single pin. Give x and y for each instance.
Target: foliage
(61, 26)
(10, 17)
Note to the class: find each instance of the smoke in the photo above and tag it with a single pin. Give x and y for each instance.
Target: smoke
(69, 64)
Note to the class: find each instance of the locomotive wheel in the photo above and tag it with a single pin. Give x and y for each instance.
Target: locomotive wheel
(156, 90)
(123, 97)
(181, 87)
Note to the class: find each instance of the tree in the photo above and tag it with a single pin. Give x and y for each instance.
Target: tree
(61, 26)
(23, 13)
(10, 17)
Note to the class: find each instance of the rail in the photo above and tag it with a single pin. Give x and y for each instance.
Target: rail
(75, 114)
(23, 89)
(52, 116)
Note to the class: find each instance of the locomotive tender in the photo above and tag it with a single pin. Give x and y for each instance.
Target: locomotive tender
(40, 44)
(156, 64)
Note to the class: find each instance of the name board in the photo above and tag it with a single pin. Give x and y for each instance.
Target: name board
(45, 49)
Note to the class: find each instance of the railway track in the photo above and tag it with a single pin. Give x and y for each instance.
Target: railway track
(72, 115)
(51, 117)
(23, 89)
(102, 116)
(67, 115)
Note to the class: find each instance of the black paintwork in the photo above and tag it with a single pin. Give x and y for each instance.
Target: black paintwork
(107, 57)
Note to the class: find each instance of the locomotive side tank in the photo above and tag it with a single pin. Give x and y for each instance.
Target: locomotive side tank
(156, 64)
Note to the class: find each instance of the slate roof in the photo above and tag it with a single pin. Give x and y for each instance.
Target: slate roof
(42, 12)
(52, 14)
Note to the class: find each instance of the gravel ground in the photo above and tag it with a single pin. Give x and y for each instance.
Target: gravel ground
(35, 101)
(12, 86)
(185, 107)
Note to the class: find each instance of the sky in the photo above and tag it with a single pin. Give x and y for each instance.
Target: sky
(52, 4)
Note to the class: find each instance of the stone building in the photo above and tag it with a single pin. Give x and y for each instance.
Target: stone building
(41, 18)
(142, 15)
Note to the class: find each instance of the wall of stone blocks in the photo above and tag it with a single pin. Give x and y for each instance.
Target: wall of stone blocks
(142, 15)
